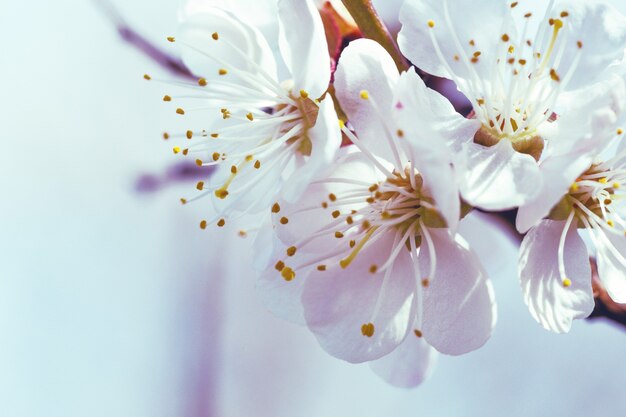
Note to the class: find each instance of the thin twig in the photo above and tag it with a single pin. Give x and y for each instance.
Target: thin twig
(132, 37)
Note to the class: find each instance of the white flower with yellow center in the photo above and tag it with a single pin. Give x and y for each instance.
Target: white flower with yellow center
(513, 63)
(273, 136)
(583, 189)
(372, 262)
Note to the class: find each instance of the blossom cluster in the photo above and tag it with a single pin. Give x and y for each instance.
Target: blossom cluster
(359, 175)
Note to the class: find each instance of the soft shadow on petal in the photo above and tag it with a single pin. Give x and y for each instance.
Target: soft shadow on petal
(459, 305)
(409, 364)
(550, 302)
(338, 302)
(498, 177)
(365, 66)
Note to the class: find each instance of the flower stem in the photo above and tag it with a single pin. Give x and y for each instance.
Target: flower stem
(372, 27)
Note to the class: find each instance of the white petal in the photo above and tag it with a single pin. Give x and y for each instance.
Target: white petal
(429, 123)
(365, 66)
(325, 138)
(551, 303)
(602, 31)
(459, 307)
(611, 267)
(558, 173)
(498, 177)
(409, 364)
(205, 56)
(337, 302)
(302, 42)
(477, 20)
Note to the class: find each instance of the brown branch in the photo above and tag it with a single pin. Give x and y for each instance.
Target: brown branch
(372, 27)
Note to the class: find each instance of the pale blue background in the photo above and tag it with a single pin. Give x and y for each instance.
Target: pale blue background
(117, 305)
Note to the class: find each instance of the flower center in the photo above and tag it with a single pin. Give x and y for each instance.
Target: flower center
(514, 87)
(596, 199)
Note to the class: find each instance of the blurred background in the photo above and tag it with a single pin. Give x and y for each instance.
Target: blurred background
(114, 303)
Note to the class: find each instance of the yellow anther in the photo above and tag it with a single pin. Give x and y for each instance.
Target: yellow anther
(167, 98)
(304, 94)
(288, 274)
(242, 234)
(511, 49)
(603, 181)
(505, 38)
(367, 329)
(364, 94)
(215, 156)
(189, 134)
(620, 131)
(276, 208)
(616, 185)
(222, 71)
(291, 251)
(250, 116)
(279, 266)
(336, 214)
(352, 243)
(171, 39)
(166, 136)
(338, 235)
(567, 282)
(200, 185)
(284, 220)
(215, 135)
(183, 201)
(431, 24)
(342, 124)
(610, 223)
(203, 224)
(574, 187)
(180, 111)
(221, 223)
(564, 14)
(221, 193)
(580, 44)
(554, 75)
(199, 162)
(176, 149)
(233, 169)
(215, 36)
(202, 82)
(147, 77)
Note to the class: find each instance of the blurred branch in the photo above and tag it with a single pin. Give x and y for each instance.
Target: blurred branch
(372, 27)
(147, 48)
(605, 307)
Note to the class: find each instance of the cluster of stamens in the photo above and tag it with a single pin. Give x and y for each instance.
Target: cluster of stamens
(361, 216)
(526, 78)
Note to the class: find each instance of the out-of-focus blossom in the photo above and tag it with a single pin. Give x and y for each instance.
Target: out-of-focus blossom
(582, 189)
(274, 136)
(515, 65)
(373, 263)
